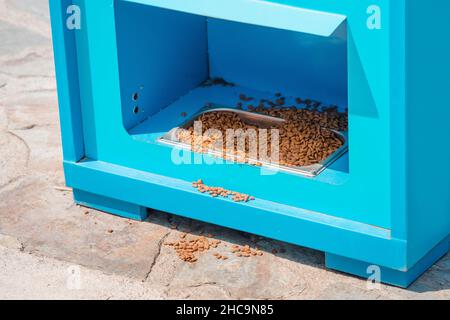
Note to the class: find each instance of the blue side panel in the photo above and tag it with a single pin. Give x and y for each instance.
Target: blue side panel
(84, 50)
(277, 60)
(387, 275)
(428, 131)
(66, 65)
(398, 119)
(162, 55)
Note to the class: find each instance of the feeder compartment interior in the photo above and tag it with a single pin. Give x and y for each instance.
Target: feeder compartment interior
(167, 59)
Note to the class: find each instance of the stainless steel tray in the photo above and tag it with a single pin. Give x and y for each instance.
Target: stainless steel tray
(263, 121)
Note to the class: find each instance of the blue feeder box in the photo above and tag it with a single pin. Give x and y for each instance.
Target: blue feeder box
(129, 71)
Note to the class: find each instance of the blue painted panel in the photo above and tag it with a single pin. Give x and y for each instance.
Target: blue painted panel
(276, 60)
(84, 50)
(400, 278)
(349, 200)
(162, 55)
(262, 13)
(261, 217)
(110, 205)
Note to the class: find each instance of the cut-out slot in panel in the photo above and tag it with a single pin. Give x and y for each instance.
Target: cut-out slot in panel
(168, 52)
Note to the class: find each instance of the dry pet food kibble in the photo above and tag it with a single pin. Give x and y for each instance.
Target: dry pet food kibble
(218, 191)
(305, 138)
(187, 250)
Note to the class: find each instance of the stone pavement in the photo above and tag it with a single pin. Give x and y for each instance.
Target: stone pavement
(44, 236)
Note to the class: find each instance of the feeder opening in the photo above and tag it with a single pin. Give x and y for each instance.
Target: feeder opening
(188, 63)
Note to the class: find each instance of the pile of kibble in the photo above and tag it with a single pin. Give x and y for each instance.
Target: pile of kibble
(187, 250)
(219, 191)
(305, 138)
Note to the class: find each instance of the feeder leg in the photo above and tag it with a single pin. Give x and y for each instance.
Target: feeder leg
(116, 207)
(397, 278)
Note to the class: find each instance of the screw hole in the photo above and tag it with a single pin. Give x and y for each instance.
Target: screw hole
(135, 96)
(136, 110)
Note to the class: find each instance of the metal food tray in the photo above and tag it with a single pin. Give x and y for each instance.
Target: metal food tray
(262, 121)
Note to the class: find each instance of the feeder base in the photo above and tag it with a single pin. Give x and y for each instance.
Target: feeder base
(109, 205)
(393, 277)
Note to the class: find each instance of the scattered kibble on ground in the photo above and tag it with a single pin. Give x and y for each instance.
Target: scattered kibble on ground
(220, 257)
(189, 248)
(219, 191)
(245, 251)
